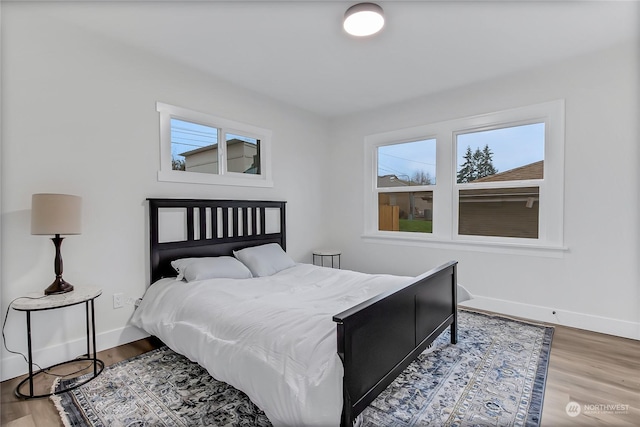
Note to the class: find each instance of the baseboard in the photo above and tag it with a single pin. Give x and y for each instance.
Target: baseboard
(14, 365)
(604, 325)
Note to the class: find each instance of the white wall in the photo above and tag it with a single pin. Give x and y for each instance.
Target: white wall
(79, 117)
(593, 285)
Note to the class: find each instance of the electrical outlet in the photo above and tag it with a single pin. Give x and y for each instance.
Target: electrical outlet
(117, 300)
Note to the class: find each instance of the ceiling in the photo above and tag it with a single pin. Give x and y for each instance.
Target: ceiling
(298, 53)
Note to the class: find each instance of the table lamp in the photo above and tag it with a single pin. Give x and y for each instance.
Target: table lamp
(56, 214)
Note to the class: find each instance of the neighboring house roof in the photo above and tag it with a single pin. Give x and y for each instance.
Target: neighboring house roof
(392, 181)
(530, 171)
(209, 147)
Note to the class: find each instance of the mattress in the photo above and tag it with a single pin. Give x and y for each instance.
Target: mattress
(271, 337)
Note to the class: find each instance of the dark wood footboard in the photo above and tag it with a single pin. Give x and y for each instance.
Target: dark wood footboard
(379, 338)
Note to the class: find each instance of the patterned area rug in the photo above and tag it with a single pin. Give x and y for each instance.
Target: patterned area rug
(494, 376)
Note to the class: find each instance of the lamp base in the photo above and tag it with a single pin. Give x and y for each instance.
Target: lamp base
(59, 286)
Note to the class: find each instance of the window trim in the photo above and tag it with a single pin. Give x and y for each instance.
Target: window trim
(446, 189)
(167, 174)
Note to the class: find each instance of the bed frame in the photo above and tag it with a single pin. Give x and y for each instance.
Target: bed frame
(212, 228)
(376, 339)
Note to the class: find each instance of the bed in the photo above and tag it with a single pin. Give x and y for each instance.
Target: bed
(321, 368)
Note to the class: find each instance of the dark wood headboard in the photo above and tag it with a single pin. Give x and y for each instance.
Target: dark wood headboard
(211, 228)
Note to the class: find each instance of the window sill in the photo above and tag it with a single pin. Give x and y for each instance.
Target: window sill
(430, 241)
(210, 179)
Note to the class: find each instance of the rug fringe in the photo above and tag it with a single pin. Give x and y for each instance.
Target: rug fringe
(57, 402)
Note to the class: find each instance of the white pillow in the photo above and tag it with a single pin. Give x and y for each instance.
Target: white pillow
(210, 268)
(264, 260)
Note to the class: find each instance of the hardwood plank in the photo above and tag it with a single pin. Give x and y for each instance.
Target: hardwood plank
(585, 367)
(594, 370)
(42, 412)
(26, 421)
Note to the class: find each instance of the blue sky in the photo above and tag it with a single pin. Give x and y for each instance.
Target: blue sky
(187, 136)
(512, 147)
(403, 160)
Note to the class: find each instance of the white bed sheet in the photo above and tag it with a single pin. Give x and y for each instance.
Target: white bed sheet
(271, 337)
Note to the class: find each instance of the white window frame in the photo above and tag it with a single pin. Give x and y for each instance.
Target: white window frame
(446, 190)
(224, 126)
(410, 189)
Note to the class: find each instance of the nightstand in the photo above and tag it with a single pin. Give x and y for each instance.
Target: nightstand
(79, 295)
(323, 254)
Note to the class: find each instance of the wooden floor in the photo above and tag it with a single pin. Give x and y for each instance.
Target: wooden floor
(600, 373)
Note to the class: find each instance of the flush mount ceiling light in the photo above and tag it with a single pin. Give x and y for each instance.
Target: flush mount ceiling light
(363, 19)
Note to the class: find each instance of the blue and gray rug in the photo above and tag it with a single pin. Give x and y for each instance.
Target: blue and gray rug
(494, 376)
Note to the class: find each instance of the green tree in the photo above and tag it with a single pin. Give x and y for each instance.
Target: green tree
(485, 163)
(177, 164)
(477, 164)
(467, 169)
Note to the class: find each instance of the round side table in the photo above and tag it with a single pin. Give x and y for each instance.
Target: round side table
(35, 302)
(329, 254)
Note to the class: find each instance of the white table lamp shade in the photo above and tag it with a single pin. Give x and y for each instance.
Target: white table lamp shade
(56, 214)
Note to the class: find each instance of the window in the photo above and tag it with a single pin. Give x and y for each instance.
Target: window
(493, 179)
(193, 147)
(495, 169)
(409, 211)
(406, 173)
(204, 149)
(243, 154)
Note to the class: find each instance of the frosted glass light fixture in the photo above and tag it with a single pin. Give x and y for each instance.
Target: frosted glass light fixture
(363, 19)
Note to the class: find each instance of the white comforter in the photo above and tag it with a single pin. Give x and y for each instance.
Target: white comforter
(271, 337)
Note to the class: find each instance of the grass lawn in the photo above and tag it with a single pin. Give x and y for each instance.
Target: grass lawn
(415, 225)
